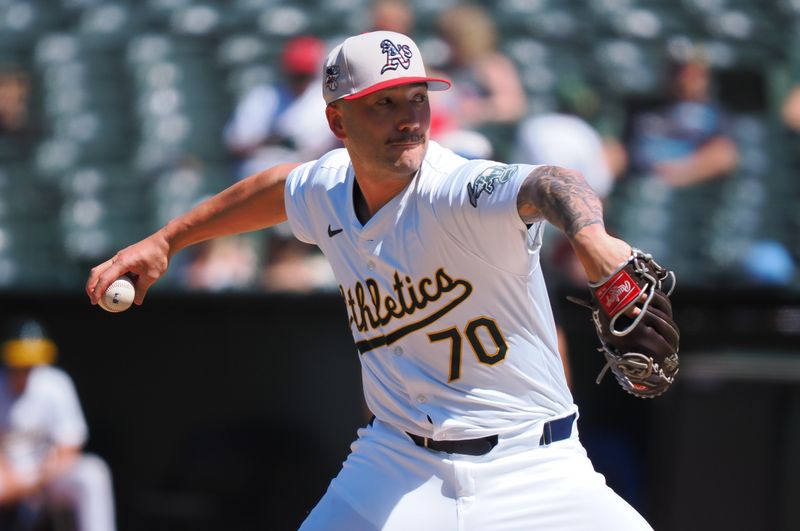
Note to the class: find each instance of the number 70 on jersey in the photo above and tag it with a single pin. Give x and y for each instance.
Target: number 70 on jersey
(484, 338)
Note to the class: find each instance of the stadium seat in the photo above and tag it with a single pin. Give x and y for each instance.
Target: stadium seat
(283, 21)
(22, 21)
(132, 90)
(110, 23)
(630, 68)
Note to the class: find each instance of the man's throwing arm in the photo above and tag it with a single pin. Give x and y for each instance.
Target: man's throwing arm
(251, 204)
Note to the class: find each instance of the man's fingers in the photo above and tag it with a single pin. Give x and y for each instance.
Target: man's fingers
(144, 262)
(94, 277)
(106, 278)
(142, 284)
(635, 309)
(103, 276)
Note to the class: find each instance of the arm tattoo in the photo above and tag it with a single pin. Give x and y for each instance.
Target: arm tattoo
(560, 196)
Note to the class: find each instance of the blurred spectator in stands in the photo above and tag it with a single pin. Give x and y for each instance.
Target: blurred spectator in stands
(284, 121)
(565, 138)
(16, 129)
(487, 90)
(43, 470)
(231, 263)
(228, 265)
(685, 142)
(766, 263)
(791, 109)
(239, 262)
(391, 15)
(295, 266)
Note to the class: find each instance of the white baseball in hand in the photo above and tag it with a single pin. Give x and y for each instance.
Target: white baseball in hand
(119, 295)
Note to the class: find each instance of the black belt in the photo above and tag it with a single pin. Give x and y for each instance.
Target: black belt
(554, 430)
(480, 446)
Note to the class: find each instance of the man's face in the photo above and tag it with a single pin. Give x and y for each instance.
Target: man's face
(692, 82)
(14, 90)
(387, 131)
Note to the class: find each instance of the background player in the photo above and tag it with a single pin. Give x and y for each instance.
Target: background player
(42, 432)
(437, 260)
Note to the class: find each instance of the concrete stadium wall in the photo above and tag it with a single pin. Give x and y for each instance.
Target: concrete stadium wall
(233, 412)
(213, 412)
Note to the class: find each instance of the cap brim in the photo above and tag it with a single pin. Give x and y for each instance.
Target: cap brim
(434, 83)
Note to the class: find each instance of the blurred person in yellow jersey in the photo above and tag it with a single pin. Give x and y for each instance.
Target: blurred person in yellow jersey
(43, 470)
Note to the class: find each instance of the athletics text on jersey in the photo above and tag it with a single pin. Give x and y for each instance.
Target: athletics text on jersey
(438, 356)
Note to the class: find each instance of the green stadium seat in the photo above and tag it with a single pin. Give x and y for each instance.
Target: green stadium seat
(245, 49)
(630, 68)
(22, 21)
(149, 47)
(128, 89)
(28, 250)
(240, 80)
(110, 23)
(177, 189)
(198, 19)
(283, 21)
(330, 18)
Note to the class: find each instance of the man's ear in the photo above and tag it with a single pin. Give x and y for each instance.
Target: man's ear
(333, 112)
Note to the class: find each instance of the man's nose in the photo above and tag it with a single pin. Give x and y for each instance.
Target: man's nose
(409, 117)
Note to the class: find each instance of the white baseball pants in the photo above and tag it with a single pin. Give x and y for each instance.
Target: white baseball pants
(86, 488)
(388, 483)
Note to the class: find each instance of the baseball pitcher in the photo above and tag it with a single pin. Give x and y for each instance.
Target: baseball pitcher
(437, 260)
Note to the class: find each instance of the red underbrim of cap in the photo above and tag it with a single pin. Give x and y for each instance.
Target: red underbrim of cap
(434, 83)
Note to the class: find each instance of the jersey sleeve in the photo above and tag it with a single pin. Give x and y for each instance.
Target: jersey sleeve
(477, 205)
(296, 199)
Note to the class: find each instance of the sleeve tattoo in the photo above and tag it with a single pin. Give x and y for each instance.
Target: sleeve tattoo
(562, 197)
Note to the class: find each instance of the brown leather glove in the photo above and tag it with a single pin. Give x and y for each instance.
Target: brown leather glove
(640, 347)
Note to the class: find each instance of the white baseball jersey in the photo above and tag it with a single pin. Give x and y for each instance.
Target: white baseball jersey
(444, 293)
(47, 413)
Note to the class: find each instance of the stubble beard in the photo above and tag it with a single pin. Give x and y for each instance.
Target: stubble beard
(410, 161)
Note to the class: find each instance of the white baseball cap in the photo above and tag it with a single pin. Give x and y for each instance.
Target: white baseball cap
(373, 61)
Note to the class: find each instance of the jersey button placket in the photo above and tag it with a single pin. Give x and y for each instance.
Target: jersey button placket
(367, 250)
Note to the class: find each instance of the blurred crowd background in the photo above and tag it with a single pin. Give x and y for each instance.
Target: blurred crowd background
(116, 116)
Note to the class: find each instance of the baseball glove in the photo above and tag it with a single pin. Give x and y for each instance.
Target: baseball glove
(640, 347)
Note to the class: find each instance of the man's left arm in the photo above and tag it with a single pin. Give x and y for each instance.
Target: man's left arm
(563, 198)
(717, 157)
(630, 303)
